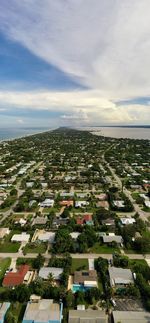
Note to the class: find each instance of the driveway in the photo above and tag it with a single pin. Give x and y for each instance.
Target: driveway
(91, 264)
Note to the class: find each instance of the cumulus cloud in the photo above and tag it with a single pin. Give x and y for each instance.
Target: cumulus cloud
(76, 107)
(104, 44)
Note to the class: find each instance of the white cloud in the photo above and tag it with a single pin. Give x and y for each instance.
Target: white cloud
(20, 121)
(104, 44)
(76, 107)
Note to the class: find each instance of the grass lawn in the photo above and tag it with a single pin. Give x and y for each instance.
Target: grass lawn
(25, 261)
(9, 247)
(133, 262)
(97, 248)
(35, 247)
(17, 310)
(4, 265)
(79, 264)
(130, 251)
(135, 195)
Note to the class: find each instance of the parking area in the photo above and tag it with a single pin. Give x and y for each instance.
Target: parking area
(128, 304)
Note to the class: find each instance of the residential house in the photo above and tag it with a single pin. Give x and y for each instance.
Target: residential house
(126, 221)
(46, 236)
(46, 271)
(101, 197)
(87, 316)
(4, 232)
(108, 239)
(75, 235)
(47, 203)
(87, 278)
(108, 222)
(66, 203)
(131, 316)
(43, 311)
(22, 237)
(103, 204)
(81, 203)
(85, 219)
(13, 279)
(120, 277)
(66, 194)
(40, 220)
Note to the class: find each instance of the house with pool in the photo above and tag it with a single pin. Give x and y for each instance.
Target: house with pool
(84, 280)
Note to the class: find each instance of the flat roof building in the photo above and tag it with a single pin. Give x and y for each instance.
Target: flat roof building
(43, 311)
(87, 278)
(23, 237)
(46, 271)
(131, 317)
(120, 277)
(87, 316)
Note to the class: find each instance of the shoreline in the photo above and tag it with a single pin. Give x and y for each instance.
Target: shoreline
(24, 136)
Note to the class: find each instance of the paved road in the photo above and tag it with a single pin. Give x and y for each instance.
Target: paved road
(19, 192)
(144, 215)
(74, 256)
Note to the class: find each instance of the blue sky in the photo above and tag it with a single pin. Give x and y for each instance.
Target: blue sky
(74, 62)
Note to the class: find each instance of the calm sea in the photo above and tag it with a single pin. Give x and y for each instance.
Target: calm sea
(115, 132)
(12, 133)
(121, 132)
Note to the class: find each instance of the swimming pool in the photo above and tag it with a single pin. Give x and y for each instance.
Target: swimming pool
(78, 287)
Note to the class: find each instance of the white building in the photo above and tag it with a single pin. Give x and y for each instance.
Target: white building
(23, 237)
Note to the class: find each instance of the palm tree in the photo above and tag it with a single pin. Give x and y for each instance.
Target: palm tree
(51, 279)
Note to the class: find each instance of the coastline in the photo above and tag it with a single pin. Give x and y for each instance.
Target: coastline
(25, 135)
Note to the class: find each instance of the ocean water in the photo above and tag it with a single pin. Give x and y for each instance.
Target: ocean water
(12, 133)
(121, 132)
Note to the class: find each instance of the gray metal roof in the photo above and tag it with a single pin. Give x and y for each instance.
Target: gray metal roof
(131, 317)
(87, 316)
(120, 276)
(43, 311)
(45, 271)
(108, 239)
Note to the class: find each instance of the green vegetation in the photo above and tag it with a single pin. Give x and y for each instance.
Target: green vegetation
(9, 247)
(4, 265)
(97, 248)
(15, 313)
(35, 247)
(79, 264)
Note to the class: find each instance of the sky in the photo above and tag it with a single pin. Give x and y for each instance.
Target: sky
(74, 63)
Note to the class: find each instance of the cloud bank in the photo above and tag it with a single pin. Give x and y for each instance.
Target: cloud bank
(75, 107)
(104, 45)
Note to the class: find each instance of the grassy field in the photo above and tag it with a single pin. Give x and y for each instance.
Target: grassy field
(97, 248)
(9, 247)
(4, 265)
(79, 264)
(35, 247)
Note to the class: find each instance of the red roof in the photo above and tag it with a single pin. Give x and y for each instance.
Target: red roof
(14, 279)
(66, 203)
(84, 219)
(87, 217)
